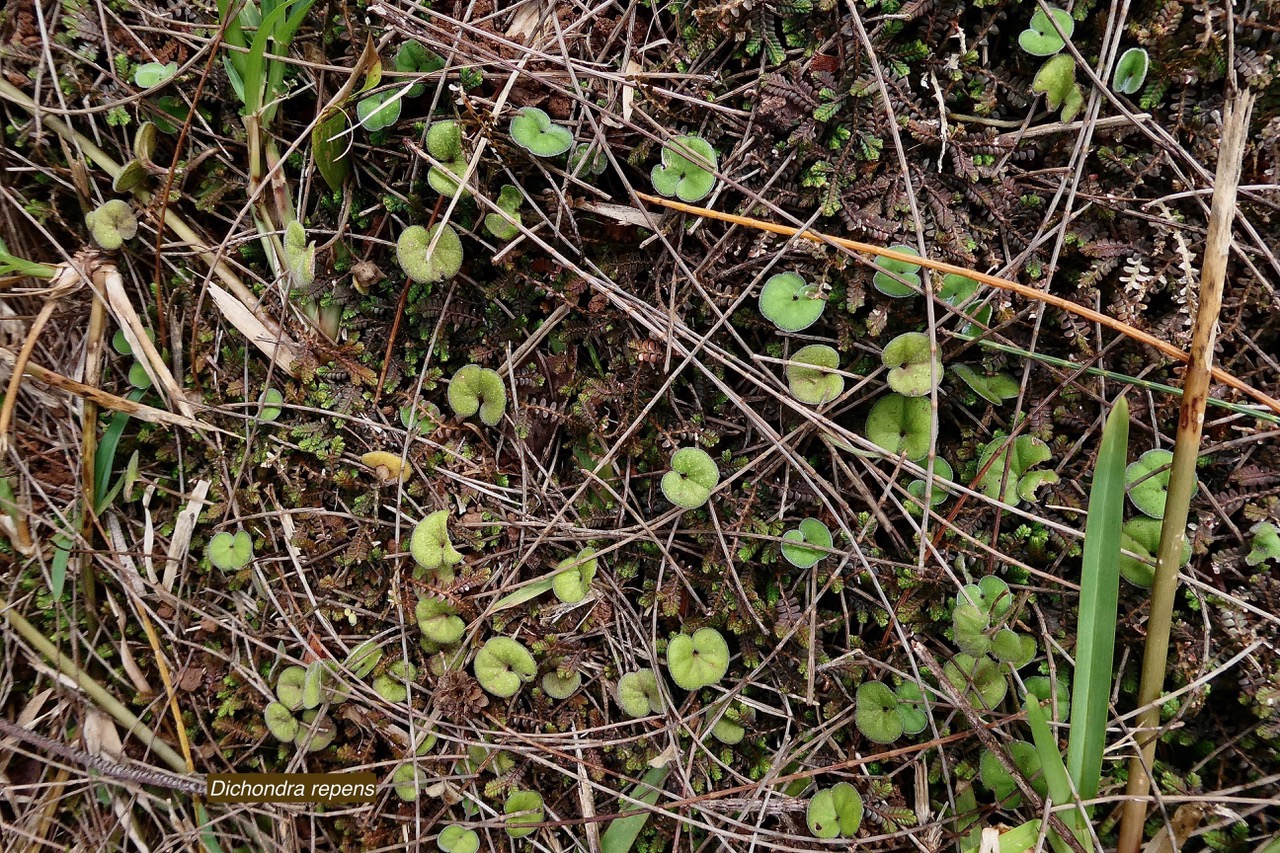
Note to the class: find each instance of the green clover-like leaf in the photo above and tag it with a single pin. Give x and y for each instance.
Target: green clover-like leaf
(478, 389)
(315, 732)
(901, 425)
(692, 478)
(687, 170)
(271, 403)
(509, 200)
(835, 812)
(280, 722)
(1148, 482)
(1264, 544)
(408, 780)
(439, 621)
(997, 779)
(503, 665)
(806, 545)
(698, 661)
(876, 712)
(1131, 71)
(942, 475)
(790, 303)
(914, 369)
(1141, 535)
(289, 687)
(446, 178)
(1056, 80)
(230, 551)
(911, 708)
(379, 110)
(458, 839)
(151, 74)
(573, 579)
(638, 693)
(810, 376)
(111, 223)
(1041, 38)
(425, 264)
(587, 161)
(884, 280)
(430, 544)
(533, 130)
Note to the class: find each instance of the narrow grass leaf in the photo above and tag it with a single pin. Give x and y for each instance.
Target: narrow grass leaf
(529, 591)
(1055, 772)
(1099, 593)
(623, 831)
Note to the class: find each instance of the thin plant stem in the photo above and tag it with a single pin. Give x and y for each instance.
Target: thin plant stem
(1182, 475)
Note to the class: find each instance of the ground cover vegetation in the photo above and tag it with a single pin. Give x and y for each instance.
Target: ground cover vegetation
(382, 404)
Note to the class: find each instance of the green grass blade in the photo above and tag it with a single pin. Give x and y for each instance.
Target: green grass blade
(285, 31)
(1055, 772)
(623, 831)
(529, 591)
(1099, 593)
(255, 68)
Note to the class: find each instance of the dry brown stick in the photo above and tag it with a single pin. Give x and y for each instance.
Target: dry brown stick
(1182, 476)
(1089, 314)
(95, 343)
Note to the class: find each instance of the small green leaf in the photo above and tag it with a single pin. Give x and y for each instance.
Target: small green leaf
(692, 478)
(152, 74)
(1131, 71)
(454, 838)
(977, 679)
(478, 389)
(379, 111)
(413, 58)
(1141, 535)
(1265, 544)
(687, 170)
(573, 578)
(914, 368)
(901, 425)
(790, 303)
(638, 694)
(111, 223)
(886, 283)
(270, 403)
(533, 130)
(698, 661)
(1041, 38)
(521, 808)
(805, 546)
(424, 262)
(876, 712)
(1056, 79)
(1147, 480)
(558, 686)
(329, 149)
(810, 375)
(430, 544)
(503, 665)
(230, 551)
(994, 389)
(438, 620)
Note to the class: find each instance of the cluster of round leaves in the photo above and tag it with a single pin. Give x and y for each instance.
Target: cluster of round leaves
(444, 143)
(694, 661)
(229, 551)
(883, 714)
(1147, 482)
(1014, 464)
(978, 619)
(295, 715)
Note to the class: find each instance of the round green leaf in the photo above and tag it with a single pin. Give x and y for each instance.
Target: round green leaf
(811, 532)
(503, 665)
(522, 808)
(1264, 544)
(1131, 71)
(438, 621)
(558, 686)
(315, 732)
(573, 580)
(884, 280)
(1042, 687)
(408, 780)
(478, 389)
(638, 694)
(111, 223)
(458, 839)
(1141, 535)
(942, 475)
(390, 685)
(692, 478)
(280, 722)
(1040, 38)
(1148, 482)
(790, 303)
(810, 376)
(901, 425)
(533, 130)
(270, 405)
(413, 58)
(430, 545)
(876, 712)
(151, 74)
(979, 680)
(380, 110)
(289, 686)
(994, 389)
(363, 659)
(425, 264)
(914, 370)
(698, 661)
(835, 811)
(230, 551)
(687, 170)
